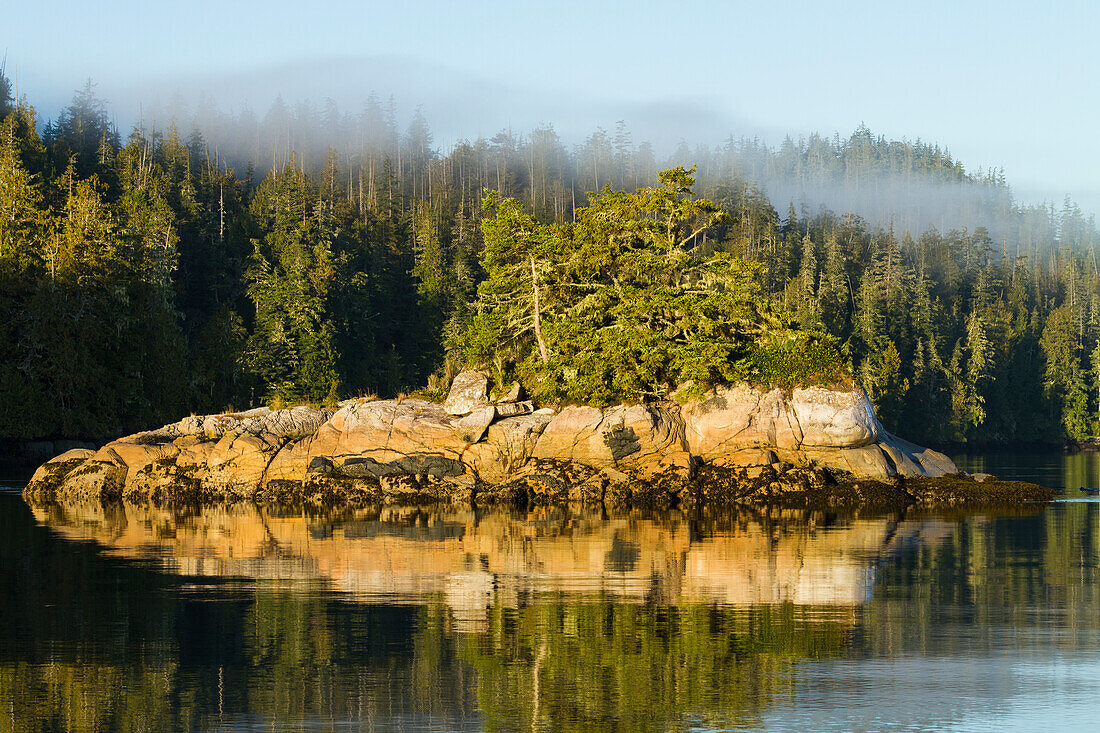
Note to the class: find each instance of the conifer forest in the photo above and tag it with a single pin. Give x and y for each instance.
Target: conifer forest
(312, 255)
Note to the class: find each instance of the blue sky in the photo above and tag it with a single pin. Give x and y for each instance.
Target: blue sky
(1007, 84)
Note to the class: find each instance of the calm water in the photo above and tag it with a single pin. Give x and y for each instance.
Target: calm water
(246, 618)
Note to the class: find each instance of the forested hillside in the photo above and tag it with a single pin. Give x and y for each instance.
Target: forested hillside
(313, 256)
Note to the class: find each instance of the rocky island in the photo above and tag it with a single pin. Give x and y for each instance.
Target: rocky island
(675, 384)
(739, 444)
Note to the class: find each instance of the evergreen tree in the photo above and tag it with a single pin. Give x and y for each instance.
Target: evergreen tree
(84, 137)
(5, 94)
(834, 290)
(803, 289)
(292, 270)
(1064, 377)
(142, 281)
(616, 306)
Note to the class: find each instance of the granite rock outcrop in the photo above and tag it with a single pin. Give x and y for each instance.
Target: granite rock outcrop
(739, 443)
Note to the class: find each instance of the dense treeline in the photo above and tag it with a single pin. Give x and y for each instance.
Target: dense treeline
(145, 277)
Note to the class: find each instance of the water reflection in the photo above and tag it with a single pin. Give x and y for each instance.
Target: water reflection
(137, 617)
(1058, 470)
(471, 561)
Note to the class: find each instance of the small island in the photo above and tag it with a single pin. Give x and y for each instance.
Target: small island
(739, 445)
(616, 359)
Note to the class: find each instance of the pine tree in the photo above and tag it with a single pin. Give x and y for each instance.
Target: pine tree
(1064, 378)
(615, 306)
(834, 290)
(1094, 385)
(5, 94)
(808, 307)
(21, 203)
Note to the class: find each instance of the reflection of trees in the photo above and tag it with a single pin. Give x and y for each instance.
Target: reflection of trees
(596, 665)
(121, 646)
(286, 658)
(75, 696)
(1044, 467)
(601, 665)
(582, 623)
(82, 641)
(992, 573)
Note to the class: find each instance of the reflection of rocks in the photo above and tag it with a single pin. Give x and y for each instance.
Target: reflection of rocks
(471, 560)
(468, 594)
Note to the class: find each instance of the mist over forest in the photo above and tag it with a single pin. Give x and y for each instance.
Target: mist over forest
(362, 106)
(203, 258)
(907, 185)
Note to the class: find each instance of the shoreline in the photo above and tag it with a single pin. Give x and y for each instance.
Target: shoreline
(710, 488)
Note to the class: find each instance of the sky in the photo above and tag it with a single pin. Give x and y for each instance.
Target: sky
(1005, 84)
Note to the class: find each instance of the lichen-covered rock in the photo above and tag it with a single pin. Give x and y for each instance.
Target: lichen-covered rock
(510, 409)
(549, 481)
(506, 447)
(137, 454)
(292, 423)
(509, 395)
(918, 461)
(389, 427)
(639, 440)
(748, 457)
(813, 426)
(734, 418)
(290, 463)
(866, 461)
(214, 456)
(415, 438)
(52, 473)
(469, 391)
(573, 436)
(234, 466)
(101, 475)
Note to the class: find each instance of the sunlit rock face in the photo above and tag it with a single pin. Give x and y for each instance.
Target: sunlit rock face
(812, 426)
(753, 445)
(469, 392)
(472, 560)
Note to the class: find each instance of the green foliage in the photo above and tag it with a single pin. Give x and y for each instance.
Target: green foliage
(797, 359)
(640, 667)
(5, 94)
(624, 303)
(1064, 376)
(83, 136)
(292, 270)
